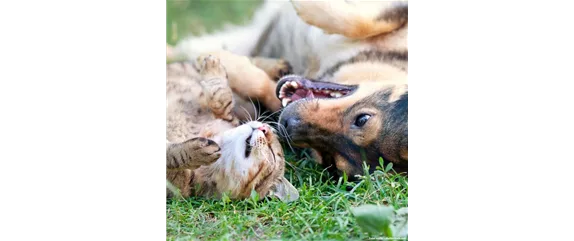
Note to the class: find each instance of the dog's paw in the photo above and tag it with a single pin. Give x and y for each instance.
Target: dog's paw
(318, 13)
(281, 69)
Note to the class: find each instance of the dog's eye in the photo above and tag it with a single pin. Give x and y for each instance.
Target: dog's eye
(361, 120)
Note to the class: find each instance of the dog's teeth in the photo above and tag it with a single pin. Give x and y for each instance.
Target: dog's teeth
(336, 94)
(285, 101)
(326, 91)
(294, 84)
(281, 94)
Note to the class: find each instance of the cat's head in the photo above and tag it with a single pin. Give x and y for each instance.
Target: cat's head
(252, 157)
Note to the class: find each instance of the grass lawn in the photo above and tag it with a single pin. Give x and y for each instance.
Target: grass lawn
(322, 211)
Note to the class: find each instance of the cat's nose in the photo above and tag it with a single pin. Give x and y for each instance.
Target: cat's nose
(265, 129)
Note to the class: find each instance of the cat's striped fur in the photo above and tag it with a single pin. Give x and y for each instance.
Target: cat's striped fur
(207, 152)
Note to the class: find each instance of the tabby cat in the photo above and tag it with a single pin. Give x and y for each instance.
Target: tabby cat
(208, 152)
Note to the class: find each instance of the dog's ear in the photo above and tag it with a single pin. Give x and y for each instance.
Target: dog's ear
(284, 191)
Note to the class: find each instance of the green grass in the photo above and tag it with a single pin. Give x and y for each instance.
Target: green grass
(323, 209)
(321, 213)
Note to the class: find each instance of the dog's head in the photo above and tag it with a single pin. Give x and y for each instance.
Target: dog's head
(349, 123)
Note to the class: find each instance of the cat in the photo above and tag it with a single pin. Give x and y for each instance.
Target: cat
(208, 152)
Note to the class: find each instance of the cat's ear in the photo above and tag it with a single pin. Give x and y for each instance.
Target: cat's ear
(284, 191)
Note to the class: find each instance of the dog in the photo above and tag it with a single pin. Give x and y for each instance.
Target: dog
(346, 96)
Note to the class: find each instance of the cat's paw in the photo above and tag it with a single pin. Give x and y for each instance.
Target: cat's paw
(211, 66)
(215, 86)
(202, 151)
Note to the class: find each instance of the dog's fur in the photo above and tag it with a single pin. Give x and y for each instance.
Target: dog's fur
(360, 46)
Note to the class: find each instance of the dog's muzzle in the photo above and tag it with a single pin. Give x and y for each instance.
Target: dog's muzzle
(291, 120)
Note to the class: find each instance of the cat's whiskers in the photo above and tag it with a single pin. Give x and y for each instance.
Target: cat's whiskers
(254, 108)
(259, 106)
(272, 128)
(283, 132)
(262, 116)
(247, 112)
(265, 117)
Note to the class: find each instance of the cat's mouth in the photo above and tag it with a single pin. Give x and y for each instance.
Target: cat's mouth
(292, 87)
(248, 146)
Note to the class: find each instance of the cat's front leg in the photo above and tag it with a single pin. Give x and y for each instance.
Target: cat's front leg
(213, 80)
(183, 158)
(246, 79)
(192, 154)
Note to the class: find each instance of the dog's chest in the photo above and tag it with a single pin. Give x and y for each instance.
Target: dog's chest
(308, 49)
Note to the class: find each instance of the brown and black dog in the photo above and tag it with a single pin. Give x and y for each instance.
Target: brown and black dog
(345, 132)
(348, 96)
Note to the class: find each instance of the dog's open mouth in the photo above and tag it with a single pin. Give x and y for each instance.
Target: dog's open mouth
(291, 88)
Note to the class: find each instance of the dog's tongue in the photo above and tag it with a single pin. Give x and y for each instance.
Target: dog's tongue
(310, 94)
(302, 93)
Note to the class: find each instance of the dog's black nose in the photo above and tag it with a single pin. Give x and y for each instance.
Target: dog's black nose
(290, 118)
(291, 122)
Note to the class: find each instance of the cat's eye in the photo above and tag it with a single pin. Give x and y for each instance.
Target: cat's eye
(361, 120)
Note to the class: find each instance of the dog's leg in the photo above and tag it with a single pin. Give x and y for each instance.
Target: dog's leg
(247, 80)
(353, 19)
(275, 68)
